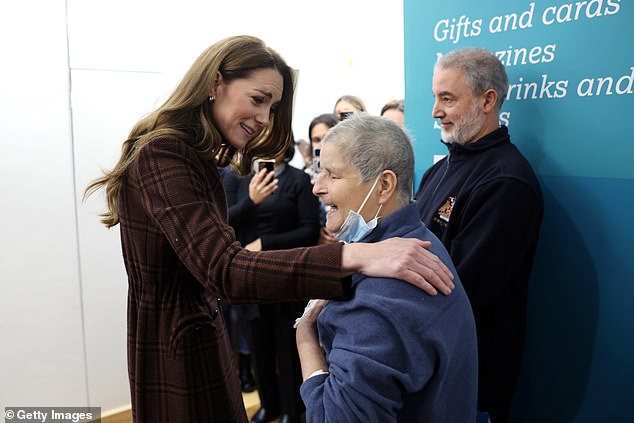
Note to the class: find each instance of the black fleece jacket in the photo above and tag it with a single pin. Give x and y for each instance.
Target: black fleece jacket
(485, 204)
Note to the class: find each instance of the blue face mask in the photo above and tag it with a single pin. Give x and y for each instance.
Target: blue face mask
(354, 228)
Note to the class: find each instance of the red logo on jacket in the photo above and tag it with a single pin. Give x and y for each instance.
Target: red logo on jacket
(444, 212)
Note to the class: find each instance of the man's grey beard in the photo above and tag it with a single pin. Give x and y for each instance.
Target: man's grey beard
(466, 128)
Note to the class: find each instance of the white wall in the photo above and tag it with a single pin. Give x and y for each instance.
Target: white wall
(75, 76)
(42, 357)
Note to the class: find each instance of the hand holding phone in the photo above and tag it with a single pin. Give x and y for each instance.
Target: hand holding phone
(262, 185)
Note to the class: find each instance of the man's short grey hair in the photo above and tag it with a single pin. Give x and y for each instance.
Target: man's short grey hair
(372, 144)
(482, 69)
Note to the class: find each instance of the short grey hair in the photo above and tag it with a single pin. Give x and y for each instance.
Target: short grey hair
(372, 144)
(482, 69)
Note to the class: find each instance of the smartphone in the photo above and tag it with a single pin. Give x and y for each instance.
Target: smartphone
(345, 115)
(268, 164)
(316, 164)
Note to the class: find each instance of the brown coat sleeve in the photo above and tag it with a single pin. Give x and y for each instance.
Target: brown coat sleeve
(183, 196)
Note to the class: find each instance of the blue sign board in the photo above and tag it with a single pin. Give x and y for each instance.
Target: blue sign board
(570, 110)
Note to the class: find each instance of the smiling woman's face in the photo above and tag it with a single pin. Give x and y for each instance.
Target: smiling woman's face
(242, 108)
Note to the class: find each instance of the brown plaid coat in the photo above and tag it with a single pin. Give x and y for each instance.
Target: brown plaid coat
(180, 256)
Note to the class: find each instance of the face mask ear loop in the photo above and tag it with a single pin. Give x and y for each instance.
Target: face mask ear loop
(378, 211)
(367, 197)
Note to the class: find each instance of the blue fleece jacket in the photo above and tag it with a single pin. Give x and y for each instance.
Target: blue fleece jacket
(395, 353)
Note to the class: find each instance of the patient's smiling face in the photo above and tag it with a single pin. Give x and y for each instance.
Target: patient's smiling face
(340, 188)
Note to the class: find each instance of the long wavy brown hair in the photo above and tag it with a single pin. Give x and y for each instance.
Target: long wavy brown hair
(186, 115)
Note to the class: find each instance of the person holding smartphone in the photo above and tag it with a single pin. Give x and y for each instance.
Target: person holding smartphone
(275, 209)
(346, 105)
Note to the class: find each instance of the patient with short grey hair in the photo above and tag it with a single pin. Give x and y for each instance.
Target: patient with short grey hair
(392, 352)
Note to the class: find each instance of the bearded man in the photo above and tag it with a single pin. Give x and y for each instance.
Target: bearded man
(485, 204)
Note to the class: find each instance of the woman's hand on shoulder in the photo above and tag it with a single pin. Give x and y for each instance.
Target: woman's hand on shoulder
(407, 259)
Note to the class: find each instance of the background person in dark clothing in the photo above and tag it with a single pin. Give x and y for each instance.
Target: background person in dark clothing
(279, 214)
(485, 204)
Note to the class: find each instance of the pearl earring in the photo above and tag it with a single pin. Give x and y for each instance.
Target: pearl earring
(212, 98)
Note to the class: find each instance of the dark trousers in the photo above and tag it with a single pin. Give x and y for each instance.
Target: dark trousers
(276, 360)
